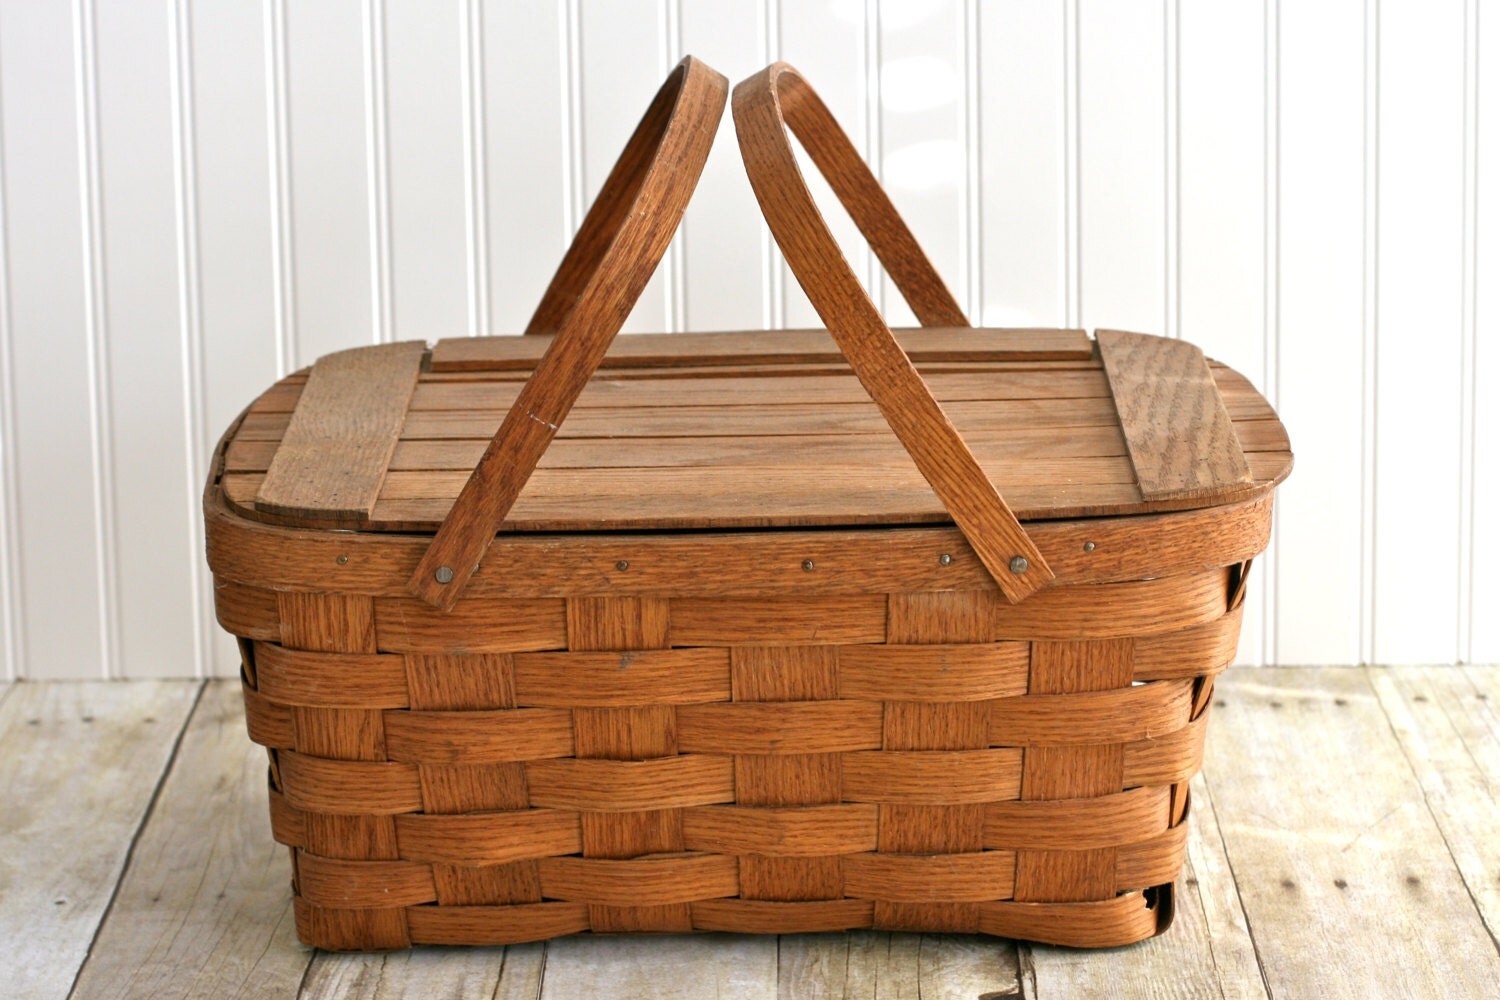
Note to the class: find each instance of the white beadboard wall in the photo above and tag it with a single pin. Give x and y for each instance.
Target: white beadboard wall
(200, 195)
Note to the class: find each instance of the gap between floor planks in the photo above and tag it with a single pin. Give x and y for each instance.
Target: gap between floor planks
(1409, 760)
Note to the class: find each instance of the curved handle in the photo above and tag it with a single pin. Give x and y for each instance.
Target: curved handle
(765, 105)
(617, 248)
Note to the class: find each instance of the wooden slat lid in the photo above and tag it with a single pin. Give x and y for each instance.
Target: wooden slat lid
(763, 429)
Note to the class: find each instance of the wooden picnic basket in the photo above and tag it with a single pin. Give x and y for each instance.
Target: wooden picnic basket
(750, 642)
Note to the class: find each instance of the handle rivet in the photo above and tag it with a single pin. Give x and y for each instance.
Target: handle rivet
(444, 574)
(945, 560)
(622, 565)
(342, 560)
(1088, 546)
(807, 564)
(1018, 564)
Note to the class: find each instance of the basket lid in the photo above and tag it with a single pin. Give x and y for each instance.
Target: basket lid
(756, 430)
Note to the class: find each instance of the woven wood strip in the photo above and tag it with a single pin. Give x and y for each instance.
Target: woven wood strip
(784, 673)
(503, 884)
(1107, 923)
(1077, 824)
(642, 881)
(478, 681)
(778, 620)
(957, 672)
(512, 734)
(268, 723)
(335, 882)
(624, 785)
(1135, 609)
(1124, 715)
(246, 611)
(333, 623)
(1170, 759)
(349, 787)
(330, 680)
(478, 625)
(628, 677)
(932, 777)
(765, 563)
(781, 727)
(495, 925)
(914, 878)
(807, 831)
(288, 825)
(350, 929)
(1151, 862)
(1190, 652)
(758, 916)
(913, 918)
(489, 838)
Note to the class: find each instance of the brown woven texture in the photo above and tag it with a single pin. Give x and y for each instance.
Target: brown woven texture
(907, 761)
(826, 720)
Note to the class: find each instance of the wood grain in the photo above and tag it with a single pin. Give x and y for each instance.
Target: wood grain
(81, 763)
(768, 347)
(761, 123)
(647, 191)
(1181, 437)
(1351, 853)
(333, 456)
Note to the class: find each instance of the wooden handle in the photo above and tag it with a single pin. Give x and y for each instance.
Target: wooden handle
(603, 273)
(765, 105)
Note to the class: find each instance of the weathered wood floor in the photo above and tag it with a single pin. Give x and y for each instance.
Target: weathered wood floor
(1345, 842)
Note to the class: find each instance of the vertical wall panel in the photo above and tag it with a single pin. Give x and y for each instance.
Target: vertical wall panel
(1121, 69)
(10, 553)
(1220, 239)
(62, 587)
(624, 60)
(726, 269)
(829, 41)
(1485, 378)
(149, 417)
(1420, 306)
(194, 196)
(1321, 295)
(234, 209)
(425, 137)
(331, 228)
(1023, 201)
(526, 156)
(924, 147)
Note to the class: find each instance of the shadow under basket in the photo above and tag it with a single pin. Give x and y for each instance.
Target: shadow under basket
(751, 642)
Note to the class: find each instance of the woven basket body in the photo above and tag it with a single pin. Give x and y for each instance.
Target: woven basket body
(732, 664)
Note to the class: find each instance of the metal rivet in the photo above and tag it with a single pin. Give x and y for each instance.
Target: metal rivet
(1088, 546)
(807, 564)
(444, 574)
(1018, 564)
(622, 565)
(945, 560)
(342, 560)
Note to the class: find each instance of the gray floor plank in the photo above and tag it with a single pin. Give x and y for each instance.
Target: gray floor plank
(81, 762)
(1207, 952)
(1346, 882)
(1451, 737)
(869, 965)
(204, 909)
(666, 967)
(418, 974)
